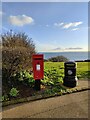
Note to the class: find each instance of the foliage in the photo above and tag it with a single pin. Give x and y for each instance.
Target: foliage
(52, 77)
(53, 73)
(58, 59)
(25, 77)
(82, 69)
(55, 90)
(14, 92)
(4, 98)
(17, 51)
(45, 60)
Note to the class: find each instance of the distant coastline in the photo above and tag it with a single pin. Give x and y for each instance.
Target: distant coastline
(73, 56)
(62, 51)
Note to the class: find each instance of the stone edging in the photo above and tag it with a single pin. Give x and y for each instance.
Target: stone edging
(39, 97)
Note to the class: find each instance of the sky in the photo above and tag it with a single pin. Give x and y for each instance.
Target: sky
(53, 26)
(45, 0)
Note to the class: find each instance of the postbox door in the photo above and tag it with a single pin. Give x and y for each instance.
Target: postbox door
(38, 69)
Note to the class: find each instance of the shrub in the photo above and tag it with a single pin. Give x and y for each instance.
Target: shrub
(4, 98)
(45, 60)
(31, 81)
(14, 92)
(25, 77)
(58, 59)
(1, 98)
(17, 51)
(52, 77)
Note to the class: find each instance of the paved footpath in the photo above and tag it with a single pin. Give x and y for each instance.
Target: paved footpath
(73, 105)
(68, 106)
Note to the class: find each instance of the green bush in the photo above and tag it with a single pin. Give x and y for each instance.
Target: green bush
(14, 92)
(1, 98)
(25, 77)
(31, 81)
(58, 59)
(17, 51)
(4, 98)
(52, 77)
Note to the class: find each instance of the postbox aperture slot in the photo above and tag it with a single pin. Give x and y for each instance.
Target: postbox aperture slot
(37, 58)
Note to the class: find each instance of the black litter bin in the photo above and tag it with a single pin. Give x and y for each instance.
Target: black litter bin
(70, 78)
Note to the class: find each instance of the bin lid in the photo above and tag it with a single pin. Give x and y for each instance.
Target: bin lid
(70, 63)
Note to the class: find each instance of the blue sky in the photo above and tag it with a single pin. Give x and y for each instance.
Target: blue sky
(54, 27)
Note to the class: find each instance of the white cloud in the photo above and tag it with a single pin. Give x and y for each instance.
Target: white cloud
(68, 25)
(74, 29)
(58, 24)
(77, 23)
(73, 24)
(76, 48)
(21, 20)
(58, 48)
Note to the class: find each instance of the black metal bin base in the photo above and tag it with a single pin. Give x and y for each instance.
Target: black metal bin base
(70, 81)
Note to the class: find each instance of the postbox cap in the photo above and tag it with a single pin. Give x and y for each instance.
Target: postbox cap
(37, 56)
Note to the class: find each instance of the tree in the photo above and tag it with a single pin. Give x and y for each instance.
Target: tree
(17, 51)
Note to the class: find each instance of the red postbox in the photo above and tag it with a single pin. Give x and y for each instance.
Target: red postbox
(38, 66)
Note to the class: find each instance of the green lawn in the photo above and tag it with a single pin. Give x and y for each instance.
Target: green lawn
(83, 70)
(51, 84)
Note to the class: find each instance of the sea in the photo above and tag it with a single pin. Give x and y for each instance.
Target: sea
(72, 56)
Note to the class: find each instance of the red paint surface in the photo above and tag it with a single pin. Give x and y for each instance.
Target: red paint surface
(38, 66)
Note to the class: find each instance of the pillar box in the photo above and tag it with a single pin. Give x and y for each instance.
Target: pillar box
(38, 67)
(70, 78)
